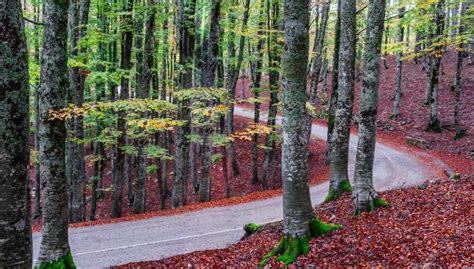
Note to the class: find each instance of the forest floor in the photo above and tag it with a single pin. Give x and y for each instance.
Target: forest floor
(429, 226)
(242, 190)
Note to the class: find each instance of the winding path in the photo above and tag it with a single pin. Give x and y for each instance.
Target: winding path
(152, 239)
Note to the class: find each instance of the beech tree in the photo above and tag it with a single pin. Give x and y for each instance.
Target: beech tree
(54, 249)
(339, 179)
(15, 228)
(299, 221)
(364, 195)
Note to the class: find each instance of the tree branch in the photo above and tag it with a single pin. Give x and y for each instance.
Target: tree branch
(33, 22)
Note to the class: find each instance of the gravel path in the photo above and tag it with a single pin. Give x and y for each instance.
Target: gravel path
(152, 239)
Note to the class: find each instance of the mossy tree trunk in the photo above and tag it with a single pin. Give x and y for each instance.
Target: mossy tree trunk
(54, 82)
(15, 227)
(364, 194)
(298, 218)
(339, 179)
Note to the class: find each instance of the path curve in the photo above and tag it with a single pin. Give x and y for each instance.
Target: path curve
(159, 237)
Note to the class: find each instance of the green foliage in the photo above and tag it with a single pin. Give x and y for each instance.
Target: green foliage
(251, 228)
(157, 152)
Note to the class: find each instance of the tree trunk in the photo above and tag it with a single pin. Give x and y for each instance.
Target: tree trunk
(339, 179)
(398, 78)
(364, 195)
(144, 89)
(15, 223)
(54, 249)
(274, 47)
(125, 64)
(186, 30)
(458, 77)
(335, 75)
(299, 223)
(232, 77)
(434, 66)
(256, 73)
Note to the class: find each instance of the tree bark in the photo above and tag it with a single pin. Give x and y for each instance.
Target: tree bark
(186, 30)
(398, 76)
(15, 223)
(364, 195)
(232, 77)
(339, 180)
(125, 64)
(434, 62)
(335, 75)
(54, 244)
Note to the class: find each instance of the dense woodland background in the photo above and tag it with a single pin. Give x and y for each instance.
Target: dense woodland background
(131, 102)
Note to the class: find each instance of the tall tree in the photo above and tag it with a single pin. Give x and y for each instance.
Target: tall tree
(299, 221)
(457, 80)
(364, 195)
(339, 179)
(125, 64)
(186, 31)
(398, 76)
(15, 228)
(233, 71)
(434, 62)
(334, 86)
(54, 249)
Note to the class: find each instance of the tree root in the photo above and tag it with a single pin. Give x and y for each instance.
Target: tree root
(65, 262)
(344, 186)
(289, 247)
(377, 202)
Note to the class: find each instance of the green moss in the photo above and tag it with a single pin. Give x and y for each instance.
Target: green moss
(291, 247)
(379, 202)
(65, 262)
(346, 186)
(319, 228)
(251, 228)
(331, 195)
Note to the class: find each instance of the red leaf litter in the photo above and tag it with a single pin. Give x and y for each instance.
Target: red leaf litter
(430, 227)
(242, 190)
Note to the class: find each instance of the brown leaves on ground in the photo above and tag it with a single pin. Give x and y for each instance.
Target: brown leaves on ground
(426, 228)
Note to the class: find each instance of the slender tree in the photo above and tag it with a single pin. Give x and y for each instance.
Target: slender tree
(299, 221)
(457, 80)
(398, 77)
(335, 75)
(339, 179)
(434, 63)
(54, 250)
(15, 228)
(364, 195)
(125, 64)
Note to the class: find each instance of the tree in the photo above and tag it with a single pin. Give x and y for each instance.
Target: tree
(398, 79)
(434, 62)
(54, 249)
(125, 64)
(364, 195)
(186, 31)
(15, 228)
(299, 222)
(339, 179)
(335, 75)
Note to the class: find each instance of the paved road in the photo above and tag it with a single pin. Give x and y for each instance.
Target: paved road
(152, 239)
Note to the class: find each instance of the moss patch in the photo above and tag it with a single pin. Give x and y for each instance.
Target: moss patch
(379, 202)
(289, 247)
(65, 262)
(344, 186)
(251, 228)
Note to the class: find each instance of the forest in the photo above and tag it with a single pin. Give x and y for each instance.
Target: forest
(236, 133)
